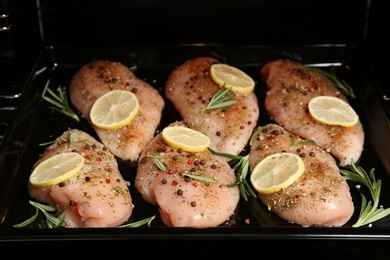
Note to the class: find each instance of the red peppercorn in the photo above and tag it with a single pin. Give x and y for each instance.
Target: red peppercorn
(195, 184)
(189, 162)
(242, 127)
(99, 159)
(175, 183)
(108, 180)
(170, 172)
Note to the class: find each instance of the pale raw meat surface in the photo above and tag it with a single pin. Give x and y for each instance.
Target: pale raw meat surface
(97, 196)
(291, 86)
(97, 78)
(182, 201)
(190, 88)
(320, 197)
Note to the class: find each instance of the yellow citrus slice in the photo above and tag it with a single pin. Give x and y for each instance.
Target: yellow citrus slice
(114, 109)
(332, 111)
(232, 77)
(185, 138)
(56, 169)
(276, 172)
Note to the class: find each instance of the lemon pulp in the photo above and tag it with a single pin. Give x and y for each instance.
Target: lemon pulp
(231, 77)
(276, 172)
(56, 169)
(185, 138)
(114, 109)
(332, 111)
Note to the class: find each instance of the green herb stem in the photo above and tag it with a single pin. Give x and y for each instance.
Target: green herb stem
(221, 99)
(51, 214)
(146, 221)
(369, 211)
(241, 168)
(60, 103)
(343, 86)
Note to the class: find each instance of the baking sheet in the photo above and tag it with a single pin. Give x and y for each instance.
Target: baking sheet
(35, 123)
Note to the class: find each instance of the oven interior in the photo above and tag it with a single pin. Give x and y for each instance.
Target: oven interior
(44, 42)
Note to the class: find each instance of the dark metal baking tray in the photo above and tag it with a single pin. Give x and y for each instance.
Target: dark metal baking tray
(32, 123)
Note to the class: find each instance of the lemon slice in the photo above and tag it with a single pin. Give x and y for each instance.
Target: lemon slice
(114, 109)
(185, 138)
(276, 172)
(332, 111)
(56, 169)
(232, 77)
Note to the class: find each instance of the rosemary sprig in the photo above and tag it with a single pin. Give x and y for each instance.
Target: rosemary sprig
(161, 166)
(344, 87)
(142, 222)
(72, 138)
(221, 99)
(369, 212)
(157, 160)
(294, 142)
(200, 178)
(52, 221)
(50, 212)
(298, 90)
(60, 103)
(241, 168)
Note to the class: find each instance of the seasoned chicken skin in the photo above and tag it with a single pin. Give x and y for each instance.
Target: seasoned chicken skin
(100, 76)
(97, 196)
(183, 201)
(320, 197)
(190, 88)
(291, 86)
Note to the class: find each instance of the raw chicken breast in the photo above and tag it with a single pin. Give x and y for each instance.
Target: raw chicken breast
(181, 200)
(190, 88)
(97, 195)
(291, 86)
(98, 77)
(320, 197)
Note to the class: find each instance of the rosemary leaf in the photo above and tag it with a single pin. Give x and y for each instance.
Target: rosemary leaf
(43, 207)
(256, 134)
(139, 223)
(298, 90)
(221, 99)
(60, 103)
(343, 86)
(27, 221)
(156, 159)
(200, 178)
(50, 212)
(369, 211)
(241, 169)
(226, 155)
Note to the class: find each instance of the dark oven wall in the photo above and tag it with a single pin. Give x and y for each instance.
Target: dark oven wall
(203, 21)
